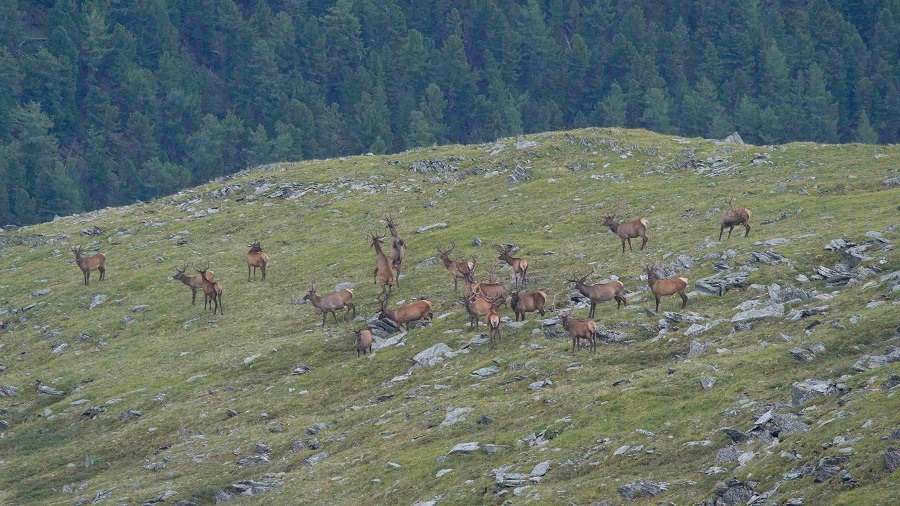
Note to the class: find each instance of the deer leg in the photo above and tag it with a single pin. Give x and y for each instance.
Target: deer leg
(103, 271)
(324, 315)
(623, 246)
(248, 272)
(683, 299)
(644, 243)
(334, 316)
(349, 307)
(194, 297)
(574, 340)
(541, 310)
(721, 230)
(747, 226)
(629, 245)
(221, 306)
(263, 269)
(375, 276)
(657, 303)
(455, 284)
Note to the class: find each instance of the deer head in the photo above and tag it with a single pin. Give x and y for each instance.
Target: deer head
(254, 247)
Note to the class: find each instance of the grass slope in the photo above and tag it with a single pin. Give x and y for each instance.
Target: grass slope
(187, 372)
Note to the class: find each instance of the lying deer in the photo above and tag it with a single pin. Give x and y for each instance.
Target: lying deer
(397, 247)
(519, 265)
(407, 314)
(212, 291)
(256, 258)
(628, 230)
(601, 292)
(492, 289)
(734, 217)
(580, 329)
(664, 287)
(457, 269)
(493, 322)
(528, 303)
(331, 302)
(383, 275)
(88, 264)
(363, 341)
(193, 282)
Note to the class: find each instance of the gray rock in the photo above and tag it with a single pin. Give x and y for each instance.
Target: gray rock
(429, 166)
(735, 435)
(682, 318)
(442, 472)
(140, 307)
(346, 285)
(766, 257)
(537, 385)
(477, 241)
(892, 459)
(316, 428)
(300, 369)
(430, 227)
(837, 245)
(696, 348)
(892, 182)
(727, 454)
(428, 262)
(541, 469)
(802, 354)
(642, 488)
(431, 356)
(707, 383)
(315, 459)
(491, 449)
(61, 348)
(254, 487)
(803, 391)
(40, 293)
(734, 138)
(798, 314)
(518, 175)
(486, 372)
(734, 492)
(464, 448)
(773, 311)
(454, 416)
(97, 299)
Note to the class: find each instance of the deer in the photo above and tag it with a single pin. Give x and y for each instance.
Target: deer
(397, 246)
(212, 291)
(407, 314)
(600, 292)
(493, 322)
(383, 275)
(193, 282)
(519, 265)
(457, 269)
(664, 287)
(477, 305)
(580, 329)
(734, 217)
(331, 302)
(88, 264)
(492, 289)
(363, 341)
(628, 230)
(256, 258)
(528, 303)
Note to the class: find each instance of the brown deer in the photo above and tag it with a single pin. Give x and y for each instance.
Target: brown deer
(528, 303)
(256, 258)
(493, 322)
(88, 264)
(193, 282)
(492, 289)
(519, 265)
(628, 230)
(601, 292)
(580, 329)
(734, 217)
(363, 341)
(407, 314)
(664, 287)
(397, 247)
(477, 305)
(383, 275)
(457, 269)
(212, 291)
(331, 302)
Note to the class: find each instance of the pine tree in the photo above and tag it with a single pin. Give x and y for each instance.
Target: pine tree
(656, 111)
(613, 109)
(864, 131)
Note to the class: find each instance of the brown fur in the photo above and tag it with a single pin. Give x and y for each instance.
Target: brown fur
(580, 329)
(256, 258)
(383, 275)
(628, 230)
(212, 291)
(397, 247)
(493, 322)
(477, 306)
(193, 282)
(331, 302)
(528, 303)
(408, 313)
(492, 289)
(457, 269)
(88, 264)
(600, 292)
(519, 265)
(734, 217)
(363, 341)
(664, 287)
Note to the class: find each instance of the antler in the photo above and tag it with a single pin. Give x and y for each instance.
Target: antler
(731, 202)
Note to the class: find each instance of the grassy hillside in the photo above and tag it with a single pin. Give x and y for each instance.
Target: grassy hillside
(158, 400)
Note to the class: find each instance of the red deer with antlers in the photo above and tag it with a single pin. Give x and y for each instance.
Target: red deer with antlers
(519, 265)
(331, 302)
(193, 282)
(493, 322)
(664, 287)
(490, 288)
(477, 305)
(407, 314)
(256, 258)
(212, 291)
(457, 269)
(628, 230)
(734, 217)
(363, 341)
(528, 303)
(383, 275)
(600, 292)
(580, 329)
(397, 247)
(88, 264)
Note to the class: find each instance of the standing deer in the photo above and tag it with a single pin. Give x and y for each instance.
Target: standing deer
(193, 282)
(212, 291)
(601, 292)
(664, 287)
(383, 275)
(331, 302)
(528, 303)
(88, 264)
(397, 247)
(477, 305)
(519, 265)
(493, 322)
(407, 314)
(580, 329)
(628, 230)
(457, 269)
(734, 217)
(363, 341)
(256, 258)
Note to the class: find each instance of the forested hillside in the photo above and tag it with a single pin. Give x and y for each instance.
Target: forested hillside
(106, 102)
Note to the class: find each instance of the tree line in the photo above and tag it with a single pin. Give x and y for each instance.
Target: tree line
(105, 102)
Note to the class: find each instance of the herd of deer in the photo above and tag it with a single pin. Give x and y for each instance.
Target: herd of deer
(482, 299)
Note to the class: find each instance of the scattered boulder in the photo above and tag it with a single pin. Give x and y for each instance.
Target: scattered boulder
(696, 348)
(803, 391)
(455, 415)
(892, 459)
(518, 175)
(432, 356)
(464, 448)
(315, 459)
(707, 383)
(893, 182)
(429, 166)
(430, 227)
(540, 469)
(772, 311)
(642, 488)
(734, 492)
(767, 257)
(428, 262)
(97, 299)
(485, 372)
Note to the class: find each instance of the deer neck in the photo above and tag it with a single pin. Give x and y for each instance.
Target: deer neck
(582, 288)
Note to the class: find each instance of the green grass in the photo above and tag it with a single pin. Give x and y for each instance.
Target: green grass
(323, 235)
